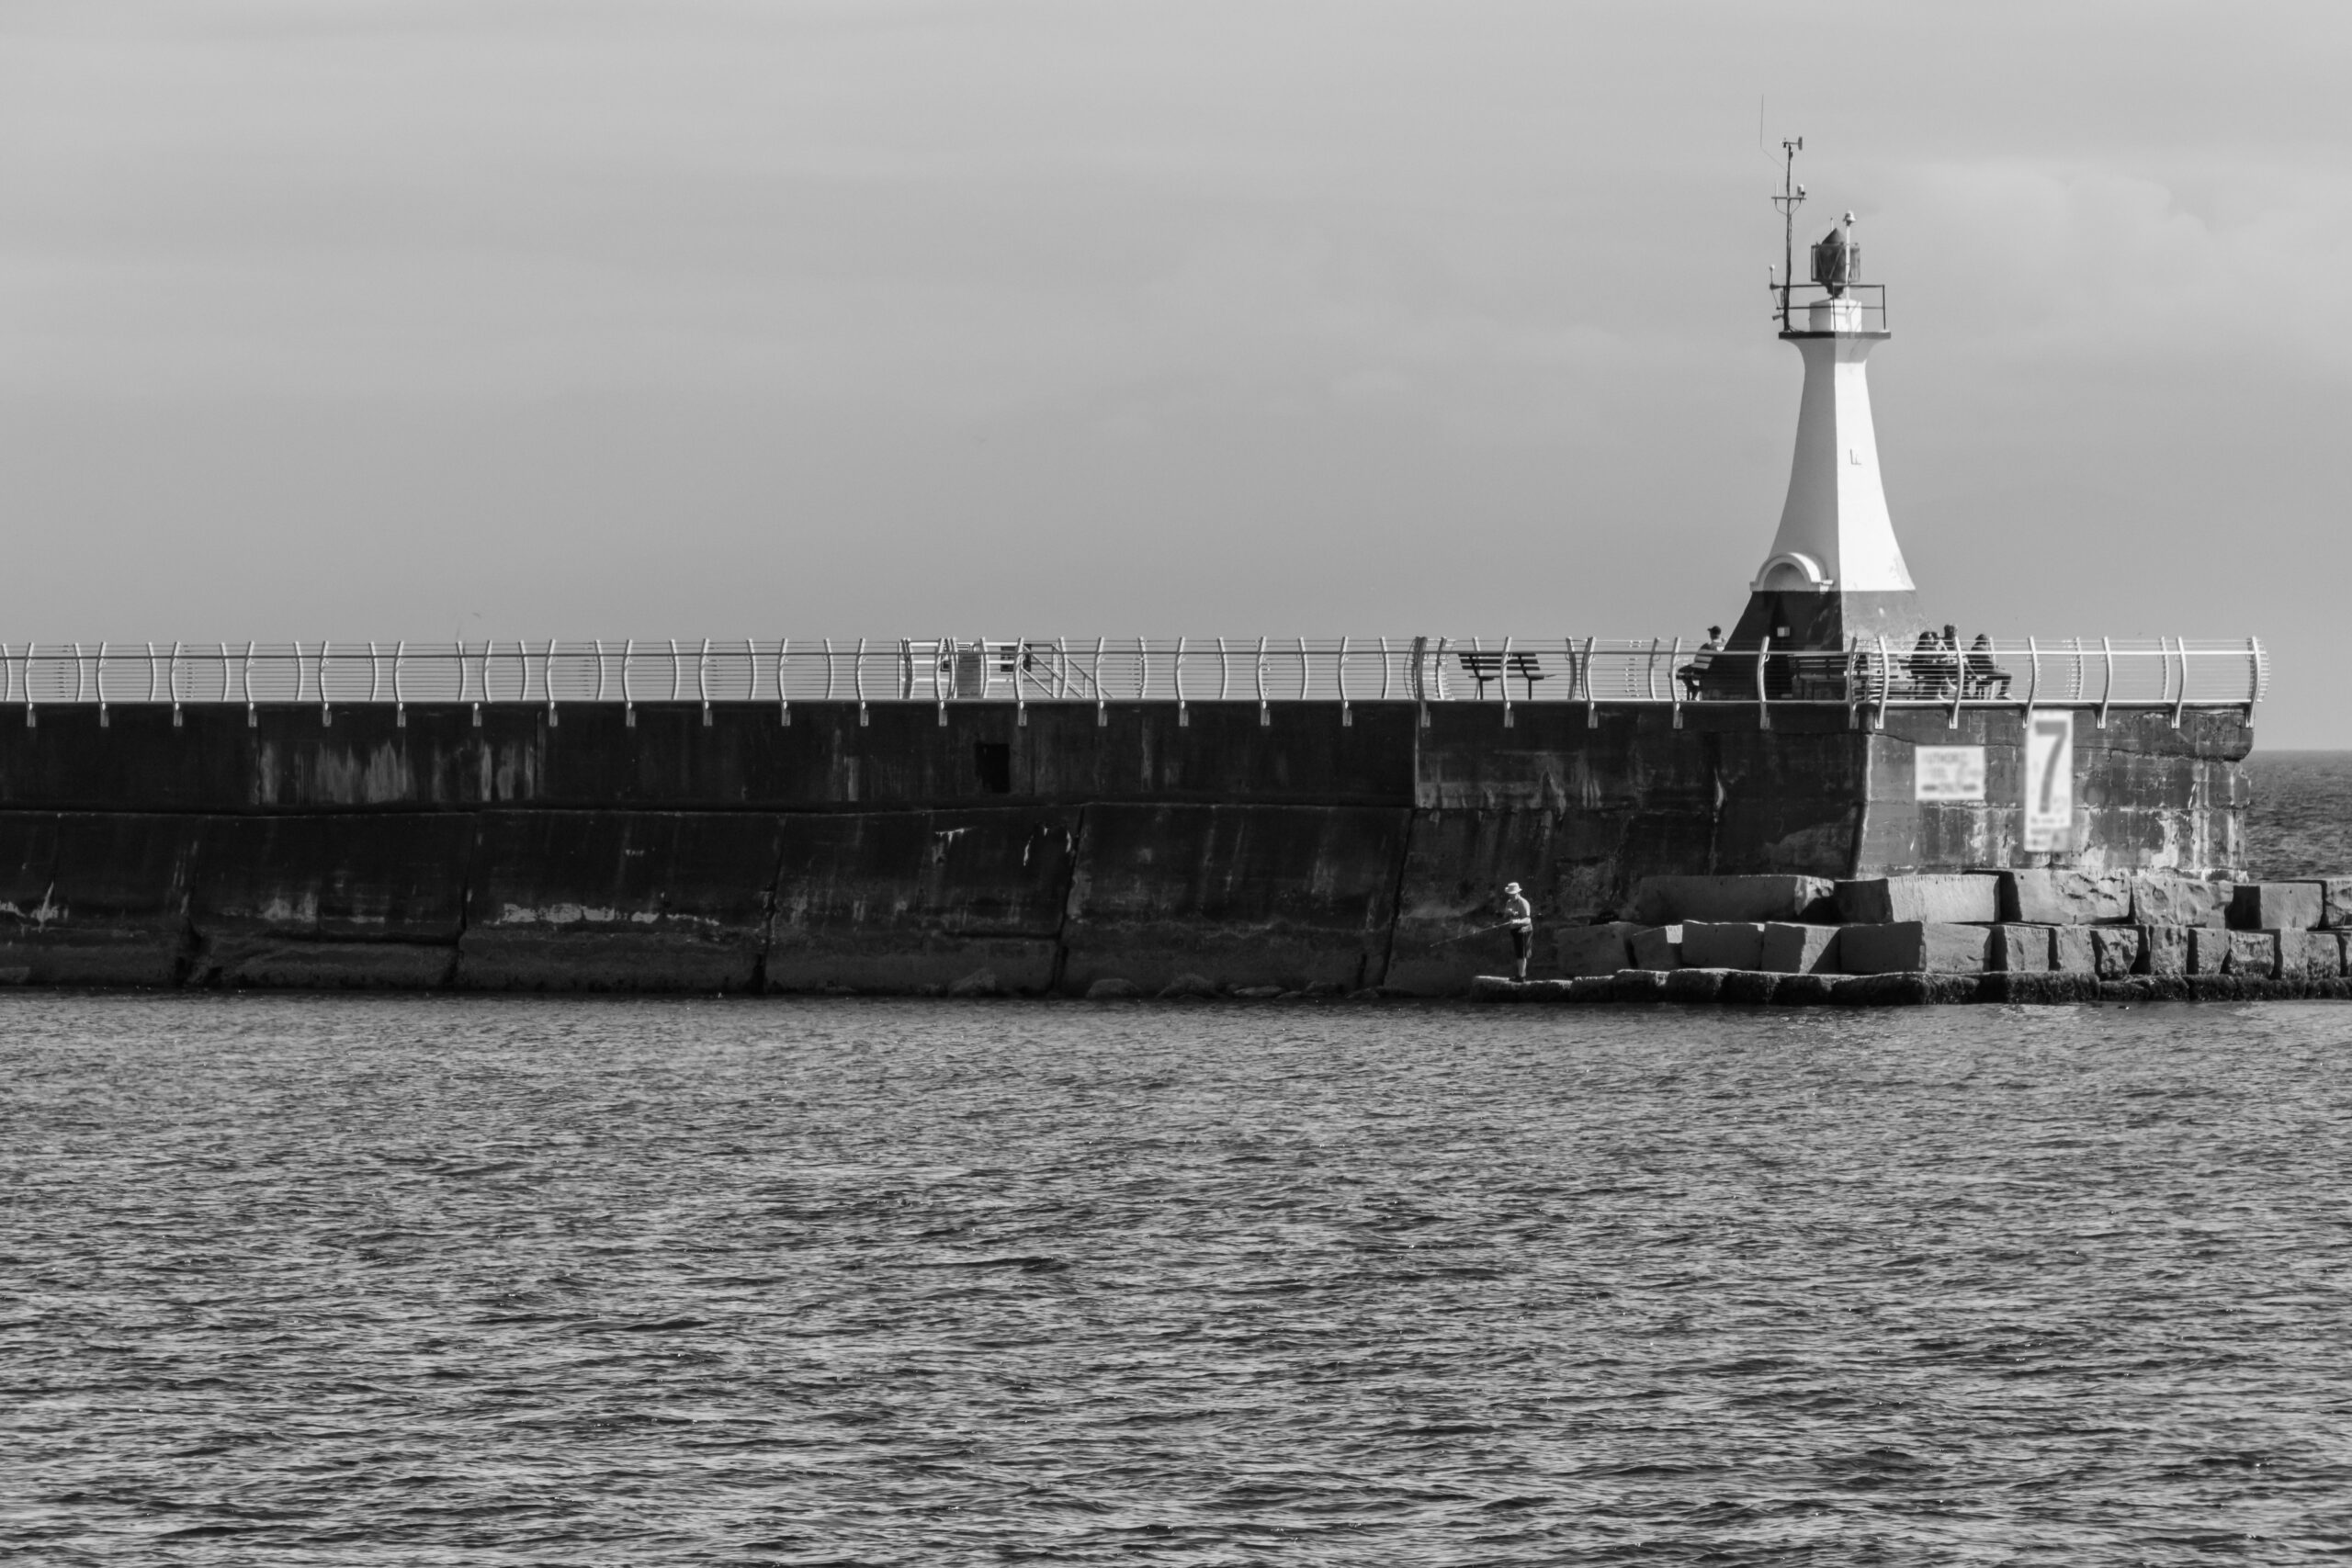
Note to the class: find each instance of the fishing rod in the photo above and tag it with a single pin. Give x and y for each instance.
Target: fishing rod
(1482, 931)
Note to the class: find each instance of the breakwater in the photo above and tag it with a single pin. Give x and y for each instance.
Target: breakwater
(728, 846)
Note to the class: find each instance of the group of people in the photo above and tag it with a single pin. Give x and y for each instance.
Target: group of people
(1937, 664)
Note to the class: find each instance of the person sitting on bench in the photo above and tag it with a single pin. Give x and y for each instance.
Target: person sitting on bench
(1693, 674)
(1986, 676)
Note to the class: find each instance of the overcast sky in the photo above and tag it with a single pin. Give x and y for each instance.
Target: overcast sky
(536, 318)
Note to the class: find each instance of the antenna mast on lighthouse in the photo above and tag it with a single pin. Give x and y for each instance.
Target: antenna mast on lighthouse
(1790, 198)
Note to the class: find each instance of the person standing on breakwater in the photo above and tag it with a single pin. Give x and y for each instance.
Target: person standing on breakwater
(1519, 915)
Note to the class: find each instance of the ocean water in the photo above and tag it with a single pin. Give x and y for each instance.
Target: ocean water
(311, 1280)
(2300, 822)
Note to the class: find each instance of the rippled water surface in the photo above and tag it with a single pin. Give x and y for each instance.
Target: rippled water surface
(2300, 820)
(322, 1281)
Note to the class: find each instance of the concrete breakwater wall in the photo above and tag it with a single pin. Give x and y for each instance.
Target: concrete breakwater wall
(903, 846)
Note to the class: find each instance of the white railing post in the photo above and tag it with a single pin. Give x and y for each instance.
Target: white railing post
(1502, 668)
(2106, 689)
(1763, 698)
(1674, 680)
(702, 681)
(1102, 714)
(629, 696)
(1591, 708)
(857, 675)
(1347, 714)
(1264, 718)
(176, 719)
(1183, 715)
(1224, 673)
(783, 691)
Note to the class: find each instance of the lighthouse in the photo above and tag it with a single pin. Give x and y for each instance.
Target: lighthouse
(1834, 572)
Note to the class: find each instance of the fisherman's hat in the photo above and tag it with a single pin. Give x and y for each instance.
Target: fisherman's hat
(1510, 887)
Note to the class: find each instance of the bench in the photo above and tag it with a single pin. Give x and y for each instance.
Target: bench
(1486, 667)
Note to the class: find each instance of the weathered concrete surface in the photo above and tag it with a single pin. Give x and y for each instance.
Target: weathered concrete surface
(94, 899)
(895, 900)
(2064, 898)
(1656, 947)
(298, 888)
(1455, 865)
(618, 901)
(2309, 955)
(2209, 950)
(2163, 950)
(2018, 949)
(2277, 906)
(374, 900)
(2146, 794)
(1914, 947)
(1722, 944)
(1663, 900)
(2253, 953)
(2163, 899)
(1604, 949)
(1242, 895)
(2115, 951)
(1937, 900)
(2070, 951)
(1789, 948)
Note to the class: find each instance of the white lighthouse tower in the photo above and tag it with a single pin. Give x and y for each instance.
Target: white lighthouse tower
(1834, 571)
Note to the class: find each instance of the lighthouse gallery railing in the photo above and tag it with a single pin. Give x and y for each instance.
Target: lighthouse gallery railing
(2102, 673)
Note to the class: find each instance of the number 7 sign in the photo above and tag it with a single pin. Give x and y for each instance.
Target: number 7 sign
(2049, 781)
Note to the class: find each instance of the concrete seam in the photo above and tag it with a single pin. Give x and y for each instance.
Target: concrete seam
(1396, 890)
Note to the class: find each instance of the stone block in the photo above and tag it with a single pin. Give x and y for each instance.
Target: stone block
(2163, 950)
(2335, 901)
(2070, 951)
(2254, 954)
(2168, 898)
(2276, 907)
(1790, 949)
(2311, 956)
(2209, 950)
(1910, 989)
(2020, 950)
(1806, 990)
(1931, 900)
(2066, 898)
(1594, 950)
(1637, 985)
(2115, 951)
(2038, 990)
(1688, 984)
(1658, 948)
(1940, 947)
(1749, 988)
(1593, 988)
(1669, 900)
(1722, 944)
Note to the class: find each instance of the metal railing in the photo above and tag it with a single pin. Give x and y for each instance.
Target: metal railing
(1866, 301)
(2102, 673)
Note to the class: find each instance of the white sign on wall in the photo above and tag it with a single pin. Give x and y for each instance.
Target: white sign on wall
(2049, 781)
(1949, 773)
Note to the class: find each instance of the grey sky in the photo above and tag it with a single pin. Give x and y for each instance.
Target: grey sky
(353, 319)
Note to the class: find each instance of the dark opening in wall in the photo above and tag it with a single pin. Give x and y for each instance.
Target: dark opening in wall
(993, 761)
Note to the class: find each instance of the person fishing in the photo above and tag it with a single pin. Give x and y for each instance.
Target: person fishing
(1519, 915)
